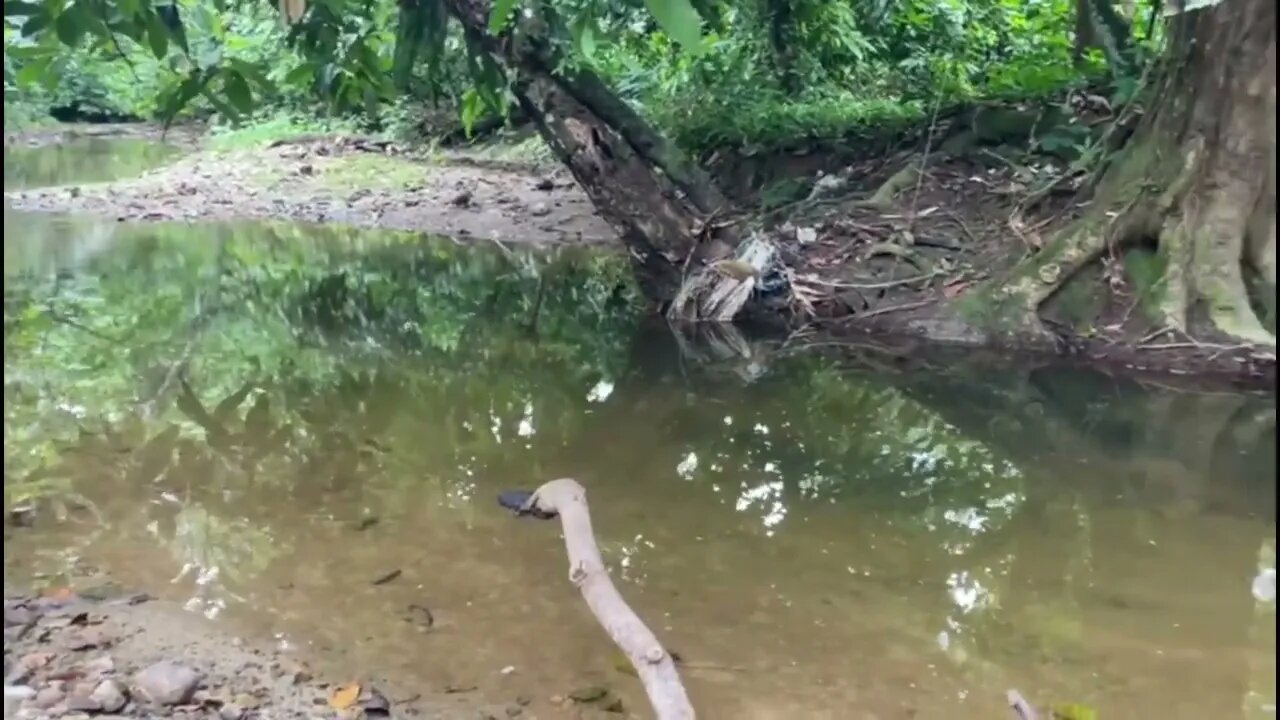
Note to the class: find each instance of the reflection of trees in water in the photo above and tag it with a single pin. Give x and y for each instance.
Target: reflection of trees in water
(381, 373)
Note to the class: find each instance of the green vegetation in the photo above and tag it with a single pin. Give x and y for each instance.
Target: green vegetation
(759, 75)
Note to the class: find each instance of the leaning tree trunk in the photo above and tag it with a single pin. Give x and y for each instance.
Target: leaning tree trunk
(1198, 176)
(656, 199)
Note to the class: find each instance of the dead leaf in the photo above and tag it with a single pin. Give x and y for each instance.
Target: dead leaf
(61, 594)
(384, 579)
(952, 289)
(344, 696)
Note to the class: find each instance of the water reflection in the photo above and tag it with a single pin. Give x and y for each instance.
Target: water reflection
(82, 160)
(268, 418)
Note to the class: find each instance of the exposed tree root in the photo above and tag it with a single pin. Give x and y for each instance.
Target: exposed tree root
(1207, 228)
(882, 198)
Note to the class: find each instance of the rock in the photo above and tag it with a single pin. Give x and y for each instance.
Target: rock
(230, 711)
(48, 697)
(540, 209)
(167, 683)
(590, 693)
(514, 711)
(806, 235)
(111, 695)
(87, 638)
(99, 666)
(544, 184)
(462, 199)
(14, 616)
(80, 702)
(13, 697)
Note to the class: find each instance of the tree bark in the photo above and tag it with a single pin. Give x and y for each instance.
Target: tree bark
(654, 197)
(1198, 176)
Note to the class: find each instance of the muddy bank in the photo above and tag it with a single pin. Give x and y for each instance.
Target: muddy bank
(354, 181)
(127, 655)
(183, 136)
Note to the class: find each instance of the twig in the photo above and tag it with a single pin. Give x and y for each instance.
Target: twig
(60, 318)
(924, 159)
(872, 286)
(893, 308)
(1020, 706)
(1192, 344)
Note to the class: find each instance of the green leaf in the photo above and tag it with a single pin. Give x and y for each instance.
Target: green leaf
(238, 91)
(157, 36)
(69, 27)
(499, 14)
(35, 24)
(587, 39)
(21, 9)
(32, 71)
(470, 108)
(678, 19)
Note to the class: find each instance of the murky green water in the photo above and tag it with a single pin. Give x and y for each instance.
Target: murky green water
(262, 420)
(82, 160)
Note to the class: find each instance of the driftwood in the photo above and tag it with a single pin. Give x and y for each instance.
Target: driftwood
(653, 664)
(1021, 707)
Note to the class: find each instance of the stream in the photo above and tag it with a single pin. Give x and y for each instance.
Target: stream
(303, 430)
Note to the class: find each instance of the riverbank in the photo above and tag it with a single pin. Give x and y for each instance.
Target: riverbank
(872, 245)
(333, 179)
(120, 654)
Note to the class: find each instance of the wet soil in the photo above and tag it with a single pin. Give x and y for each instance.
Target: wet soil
(342, 179)
(121, 654)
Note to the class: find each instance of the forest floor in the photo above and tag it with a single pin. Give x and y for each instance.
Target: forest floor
(122, 654)
(875, 249)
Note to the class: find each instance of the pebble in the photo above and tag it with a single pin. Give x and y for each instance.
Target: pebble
(167, 683)
(48, 697)
(540, 209)
(110, 695)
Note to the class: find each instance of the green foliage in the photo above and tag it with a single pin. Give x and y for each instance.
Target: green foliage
(710, 73)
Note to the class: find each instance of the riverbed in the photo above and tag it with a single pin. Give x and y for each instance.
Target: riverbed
(301, 430)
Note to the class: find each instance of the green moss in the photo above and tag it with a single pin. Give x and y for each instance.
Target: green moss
(787, 190)
(1144, 271)
(372, 171)
(1078, 302)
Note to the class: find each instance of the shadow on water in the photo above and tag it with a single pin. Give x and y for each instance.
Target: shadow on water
(261, 420)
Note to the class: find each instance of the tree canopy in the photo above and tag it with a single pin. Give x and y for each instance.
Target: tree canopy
(709, 73)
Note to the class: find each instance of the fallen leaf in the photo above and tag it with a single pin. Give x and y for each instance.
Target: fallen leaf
(61, 594)
(344, 696)
(387, 578)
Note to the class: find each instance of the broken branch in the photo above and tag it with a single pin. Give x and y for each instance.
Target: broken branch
(657, 671)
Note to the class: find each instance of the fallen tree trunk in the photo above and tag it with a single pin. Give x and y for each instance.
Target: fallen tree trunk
(654, 665)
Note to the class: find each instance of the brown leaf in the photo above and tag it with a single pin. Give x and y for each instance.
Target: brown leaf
(61, 594)
(344, 696)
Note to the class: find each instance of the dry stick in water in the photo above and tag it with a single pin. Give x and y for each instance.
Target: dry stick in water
(568, 499)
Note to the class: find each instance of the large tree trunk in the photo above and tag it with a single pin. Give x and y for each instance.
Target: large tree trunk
(1198, 176)
(654, 197)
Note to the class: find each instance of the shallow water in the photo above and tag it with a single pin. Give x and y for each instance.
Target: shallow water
(817, 539)
(82, 160)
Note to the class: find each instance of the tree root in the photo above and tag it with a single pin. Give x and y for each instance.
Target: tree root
(1207, 228)
(882, 198)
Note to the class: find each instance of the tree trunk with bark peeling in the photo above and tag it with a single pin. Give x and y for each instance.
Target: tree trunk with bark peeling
(653, 196)
(1198, 176)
